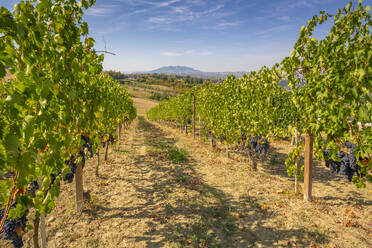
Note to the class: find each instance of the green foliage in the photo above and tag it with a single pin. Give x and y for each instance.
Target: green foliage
(329, 94)
(58, 92)
(159, 96)
(177, 155)
(159, 79)
(290, 163)
(177, 108)
(331, 81)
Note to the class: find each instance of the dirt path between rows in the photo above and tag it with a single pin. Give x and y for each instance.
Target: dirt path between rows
(163, 189)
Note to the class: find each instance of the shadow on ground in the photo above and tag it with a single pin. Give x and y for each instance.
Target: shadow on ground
(181, 208)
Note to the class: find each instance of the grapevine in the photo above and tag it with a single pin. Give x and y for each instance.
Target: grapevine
(328, 98)
(56, 106)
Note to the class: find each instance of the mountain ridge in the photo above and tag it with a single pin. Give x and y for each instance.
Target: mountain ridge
(189, 71)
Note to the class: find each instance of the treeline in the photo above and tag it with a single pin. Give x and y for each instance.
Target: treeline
(161, 79)
(159, 96)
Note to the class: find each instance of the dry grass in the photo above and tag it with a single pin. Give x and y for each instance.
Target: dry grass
(138, 92)
(161, 87)
(339, 216)
(145, 198)
(141, 92)
(142, 105)
(161, 188)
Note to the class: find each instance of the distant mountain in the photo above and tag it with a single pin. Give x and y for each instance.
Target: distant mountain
(183, 70)
(188, 71)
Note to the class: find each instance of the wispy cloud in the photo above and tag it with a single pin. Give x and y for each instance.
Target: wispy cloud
(161, 14)
(187, 52)
(223, 25)
(212, 10)
(293, 5)
(101, 11)
(162, 4)
(138, 11)
(159, 20)
(303, 3)
(284, 18)
(229, 24)
(146, 6)
(182, 14)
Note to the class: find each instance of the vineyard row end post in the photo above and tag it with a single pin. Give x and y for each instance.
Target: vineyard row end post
(193, 115)
(308, 166)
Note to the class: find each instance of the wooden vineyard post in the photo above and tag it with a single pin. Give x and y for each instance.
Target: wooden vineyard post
(106, 152)
(79, 187)
(227, 150)
(43, 231)
(297, 162)
(193, 116)
(252, 161)
(199, 129)
(39, 222)
(119, 131)
(98, 163)
(36, 232)
(308, 166)
(213, 142)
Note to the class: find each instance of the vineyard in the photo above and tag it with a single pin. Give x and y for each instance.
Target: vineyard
(328, 101)
(211, 167)
(57, 110)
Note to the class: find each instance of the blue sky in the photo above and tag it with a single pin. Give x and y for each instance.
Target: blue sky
(213, 35)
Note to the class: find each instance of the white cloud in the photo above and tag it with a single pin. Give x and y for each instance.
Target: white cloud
(284, 18)
(101, 11)
(223, 25)
(162, 14)
(299, 4)
(159, 20)
(163, 3)
(152, 6)
(139, 11)
(293, 5)
(182, 14)
(180, 9)
(229, 24)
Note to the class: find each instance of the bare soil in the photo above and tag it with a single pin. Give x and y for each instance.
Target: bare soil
(143, 105)
(144, 198)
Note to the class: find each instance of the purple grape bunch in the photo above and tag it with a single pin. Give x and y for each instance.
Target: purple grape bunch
(11, 225)
(347, 166)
